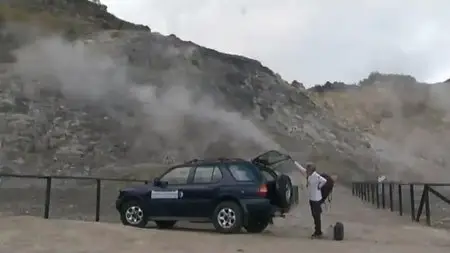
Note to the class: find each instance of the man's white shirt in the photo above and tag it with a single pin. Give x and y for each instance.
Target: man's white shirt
(315, 182)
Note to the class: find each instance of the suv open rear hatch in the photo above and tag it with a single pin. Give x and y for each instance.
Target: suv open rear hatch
(281, 164)
(274, 160)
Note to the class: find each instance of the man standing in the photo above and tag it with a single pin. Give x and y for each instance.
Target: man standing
(314, 182)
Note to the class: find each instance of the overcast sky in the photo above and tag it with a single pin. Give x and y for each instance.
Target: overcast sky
(311, 40)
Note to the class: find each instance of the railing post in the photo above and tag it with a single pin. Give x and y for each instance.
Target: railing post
(365, 191)
(400, 199)
(359, 190)
(372, 185)
(48, 189)
(391, 197)
(378, 195)
(383, 200)
(362, 191)
(98, 199)
(353, 189)
(412, 200)
(361, 185)
(427, 205)
(422, 203)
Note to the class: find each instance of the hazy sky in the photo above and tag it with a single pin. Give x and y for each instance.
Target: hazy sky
(311, 40)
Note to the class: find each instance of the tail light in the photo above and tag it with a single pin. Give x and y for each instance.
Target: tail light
(262, 191)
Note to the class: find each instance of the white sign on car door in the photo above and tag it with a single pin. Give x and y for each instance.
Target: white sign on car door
(175, 194)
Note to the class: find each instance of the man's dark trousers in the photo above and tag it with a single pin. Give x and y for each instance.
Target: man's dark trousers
(316, 211)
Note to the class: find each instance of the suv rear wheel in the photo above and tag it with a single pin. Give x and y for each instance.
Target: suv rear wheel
(132, 214)
(256, 226)
(228, 217)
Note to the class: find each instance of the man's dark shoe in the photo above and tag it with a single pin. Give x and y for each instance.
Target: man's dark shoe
(316, 235)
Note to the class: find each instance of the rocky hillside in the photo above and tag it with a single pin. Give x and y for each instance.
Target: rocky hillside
(406, 121)
(95, 94)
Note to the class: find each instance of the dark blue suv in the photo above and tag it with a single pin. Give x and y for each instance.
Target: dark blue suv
(230, 193)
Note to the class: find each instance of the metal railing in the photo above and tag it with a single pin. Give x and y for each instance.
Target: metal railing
(98, 187)
(48, 187)
(375, 193)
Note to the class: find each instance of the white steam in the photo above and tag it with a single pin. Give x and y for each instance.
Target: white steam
(170, 119)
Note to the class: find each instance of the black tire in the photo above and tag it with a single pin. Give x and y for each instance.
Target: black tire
(256, 226)
(165, 224)
(235, 221)
(338, 231)
(285, 192)
(126, 214)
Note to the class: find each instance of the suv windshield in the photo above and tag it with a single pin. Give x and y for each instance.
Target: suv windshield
(245, 172)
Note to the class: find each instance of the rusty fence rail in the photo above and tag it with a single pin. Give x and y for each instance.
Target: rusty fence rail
(48, 187)
(382, 196)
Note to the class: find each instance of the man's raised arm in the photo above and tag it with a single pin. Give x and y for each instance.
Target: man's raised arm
(301, 168)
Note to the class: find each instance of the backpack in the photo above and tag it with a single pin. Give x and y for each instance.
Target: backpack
(338, 231)
(327, 188)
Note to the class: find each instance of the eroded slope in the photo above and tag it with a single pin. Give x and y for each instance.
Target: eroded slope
(118, 95)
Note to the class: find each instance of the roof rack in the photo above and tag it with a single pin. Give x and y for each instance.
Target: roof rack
(231, 159)
(219, 159)
(192, 161)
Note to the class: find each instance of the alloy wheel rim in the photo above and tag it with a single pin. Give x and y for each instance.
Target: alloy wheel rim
(226, 218)
(134, 215)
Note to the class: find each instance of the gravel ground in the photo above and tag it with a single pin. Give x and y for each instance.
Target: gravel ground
(367, 230)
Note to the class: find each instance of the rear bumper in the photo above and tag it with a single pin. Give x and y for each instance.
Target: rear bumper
(258, 209)
(262, 209)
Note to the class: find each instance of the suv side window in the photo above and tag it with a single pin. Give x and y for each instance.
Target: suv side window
(207, 174)
(243, 173)
(178, 175)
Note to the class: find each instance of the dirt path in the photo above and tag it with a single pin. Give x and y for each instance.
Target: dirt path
(367, 230)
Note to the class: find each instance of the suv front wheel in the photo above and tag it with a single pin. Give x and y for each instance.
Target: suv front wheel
(132, 214)
(228, 217)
